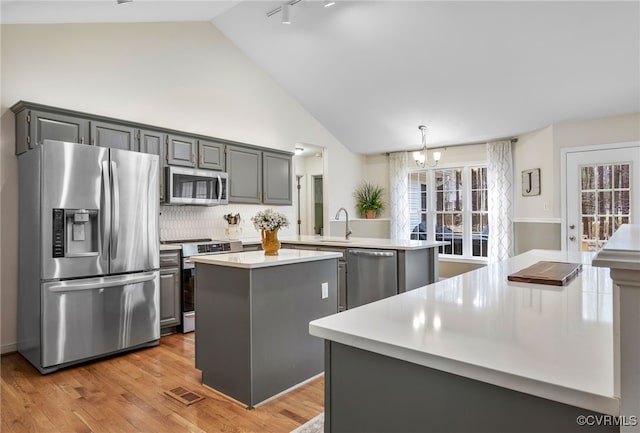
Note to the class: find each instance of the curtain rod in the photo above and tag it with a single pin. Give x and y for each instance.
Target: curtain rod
(513, 140)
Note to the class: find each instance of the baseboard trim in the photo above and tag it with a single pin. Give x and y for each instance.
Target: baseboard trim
(6, 349)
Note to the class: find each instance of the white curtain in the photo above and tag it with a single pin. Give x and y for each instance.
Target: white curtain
(500, 200)
(399, 196)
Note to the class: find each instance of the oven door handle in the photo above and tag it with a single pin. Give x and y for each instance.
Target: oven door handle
(188, 265)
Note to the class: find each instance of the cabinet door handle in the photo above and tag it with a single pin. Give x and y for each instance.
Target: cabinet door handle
(572, 238)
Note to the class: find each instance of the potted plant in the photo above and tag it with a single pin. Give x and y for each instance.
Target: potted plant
(369, 199)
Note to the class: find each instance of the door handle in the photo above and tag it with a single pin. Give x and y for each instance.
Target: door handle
(572, 226)
(116, 209)
(572, 238)
(219, 189)
(106, 209)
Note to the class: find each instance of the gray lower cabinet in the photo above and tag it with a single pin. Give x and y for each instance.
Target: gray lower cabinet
(113, 135)
(181, 150)
(170, 312)
(153, 142)
(276, 178)
(33, 127)
(211, 155)
(244, 166)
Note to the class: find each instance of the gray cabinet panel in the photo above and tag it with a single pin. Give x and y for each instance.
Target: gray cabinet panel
(181, 150)
(113, 135)
(153, 142)
(49, 126)
(277, 181)
(245, 174)
(211, 155)
(170, 313)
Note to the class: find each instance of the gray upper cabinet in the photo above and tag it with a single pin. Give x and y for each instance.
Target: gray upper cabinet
(153, 142)
(33, 127)
(259, 177)
(276, 178)
(211, 155)
(181, 150)
(113, 135)
(245, 174)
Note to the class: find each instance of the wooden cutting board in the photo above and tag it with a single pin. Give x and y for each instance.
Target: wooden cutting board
(552, 273)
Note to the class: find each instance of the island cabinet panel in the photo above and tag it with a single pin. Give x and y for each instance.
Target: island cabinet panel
(408, 397)
(245, 174)
(153, 142)
(252, 340)
(181, 150)
(113, 135)
(276, 178)
(211, 155)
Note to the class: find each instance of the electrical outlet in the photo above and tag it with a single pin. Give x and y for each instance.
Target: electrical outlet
(325, 290)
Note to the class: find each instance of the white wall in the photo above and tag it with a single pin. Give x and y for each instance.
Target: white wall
(184, 76)
(541, 149)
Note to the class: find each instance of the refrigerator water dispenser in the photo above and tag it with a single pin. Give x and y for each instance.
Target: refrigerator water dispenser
(75, 232)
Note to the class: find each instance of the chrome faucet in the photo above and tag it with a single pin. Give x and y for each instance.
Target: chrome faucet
(347, 229)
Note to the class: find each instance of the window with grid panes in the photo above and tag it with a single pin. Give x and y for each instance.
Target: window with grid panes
(450, 205)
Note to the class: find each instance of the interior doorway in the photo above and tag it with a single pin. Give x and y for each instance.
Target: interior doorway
(601, 193)
(310, 188)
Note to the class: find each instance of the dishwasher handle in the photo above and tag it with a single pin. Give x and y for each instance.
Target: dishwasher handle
(366, 253)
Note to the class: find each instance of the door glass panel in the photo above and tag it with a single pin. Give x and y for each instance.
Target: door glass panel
(605, 202)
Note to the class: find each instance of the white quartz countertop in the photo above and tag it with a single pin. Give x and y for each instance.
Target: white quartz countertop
(554, 342)
(340, 241)
(622, 251)
(257, 259)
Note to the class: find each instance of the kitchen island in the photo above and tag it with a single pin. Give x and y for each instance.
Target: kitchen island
(253, 313)
(476, 353)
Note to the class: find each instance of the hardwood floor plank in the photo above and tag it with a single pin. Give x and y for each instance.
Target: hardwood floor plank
(126, 394)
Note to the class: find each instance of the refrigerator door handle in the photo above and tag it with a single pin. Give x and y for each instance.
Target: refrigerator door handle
(116, 209)
(100, 283)
(106, 206)
(219, 189)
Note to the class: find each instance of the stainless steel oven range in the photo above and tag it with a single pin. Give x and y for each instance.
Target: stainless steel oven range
(198, 248)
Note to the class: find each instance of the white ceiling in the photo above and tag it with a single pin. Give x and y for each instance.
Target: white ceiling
(372, 71)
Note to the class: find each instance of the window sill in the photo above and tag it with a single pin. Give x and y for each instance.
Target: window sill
(471, 260)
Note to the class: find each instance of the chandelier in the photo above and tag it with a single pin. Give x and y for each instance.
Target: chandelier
(421, 157)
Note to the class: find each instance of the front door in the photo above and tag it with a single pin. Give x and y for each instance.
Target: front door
(602, 193)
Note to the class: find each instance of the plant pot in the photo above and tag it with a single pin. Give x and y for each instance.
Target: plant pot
(370, 214)
(270, 242)
(233, 231)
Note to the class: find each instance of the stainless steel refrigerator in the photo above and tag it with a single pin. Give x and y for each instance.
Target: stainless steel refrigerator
(88, 253)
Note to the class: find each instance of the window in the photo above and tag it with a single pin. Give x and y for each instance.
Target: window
(450, 205)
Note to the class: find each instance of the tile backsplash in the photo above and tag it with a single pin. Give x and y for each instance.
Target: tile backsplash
(198, 222)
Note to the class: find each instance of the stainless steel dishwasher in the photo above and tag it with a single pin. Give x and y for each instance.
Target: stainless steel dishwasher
(371, 275)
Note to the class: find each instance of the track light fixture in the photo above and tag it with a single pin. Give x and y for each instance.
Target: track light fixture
(421, 156)
(284, 9)
(285, 14)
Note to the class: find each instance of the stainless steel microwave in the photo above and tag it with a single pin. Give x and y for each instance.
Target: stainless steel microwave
(190, 186)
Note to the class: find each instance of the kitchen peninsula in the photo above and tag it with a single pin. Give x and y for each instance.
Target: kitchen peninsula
(253, 313)
(476, 353)
(414, 264)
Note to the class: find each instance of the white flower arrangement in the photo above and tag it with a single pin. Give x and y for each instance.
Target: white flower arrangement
(269, 220)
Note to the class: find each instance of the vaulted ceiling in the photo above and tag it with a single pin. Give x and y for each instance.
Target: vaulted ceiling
(372, 71)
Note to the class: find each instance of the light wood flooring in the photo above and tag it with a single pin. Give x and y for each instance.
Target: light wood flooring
(126, 394)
